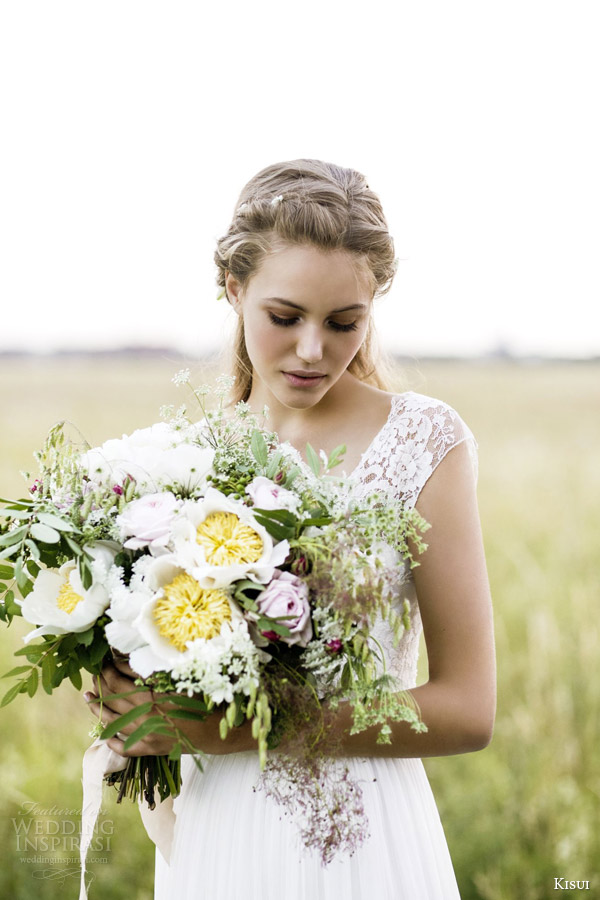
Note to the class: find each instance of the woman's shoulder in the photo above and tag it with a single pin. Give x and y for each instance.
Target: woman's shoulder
(423, 412)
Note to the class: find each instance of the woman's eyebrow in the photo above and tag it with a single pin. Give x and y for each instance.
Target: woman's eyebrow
(360, 306)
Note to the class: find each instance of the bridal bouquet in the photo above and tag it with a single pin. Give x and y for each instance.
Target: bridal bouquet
(233, 576)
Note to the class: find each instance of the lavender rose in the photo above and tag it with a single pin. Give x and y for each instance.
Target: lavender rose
(286, 596)
(147, 522)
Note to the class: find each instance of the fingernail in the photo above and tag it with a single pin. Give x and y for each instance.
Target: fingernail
(88, 696)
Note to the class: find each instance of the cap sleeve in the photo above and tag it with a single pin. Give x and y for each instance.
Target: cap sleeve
(420, 432)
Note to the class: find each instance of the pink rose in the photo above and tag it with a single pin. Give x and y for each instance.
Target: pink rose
(286, 600)
(266, 494)
(147, 522)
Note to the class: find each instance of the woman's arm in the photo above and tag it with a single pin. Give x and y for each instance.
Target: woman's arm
(459, 700)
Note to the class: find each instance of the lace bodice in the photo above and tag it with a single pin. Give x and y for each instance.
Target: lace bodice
(402, 456)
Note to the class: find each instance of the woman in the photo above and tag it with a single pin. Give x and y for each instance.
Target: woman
(306, 253)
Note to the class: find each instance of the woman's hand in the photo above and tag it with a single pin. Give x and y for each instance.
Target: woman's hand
(202, 734)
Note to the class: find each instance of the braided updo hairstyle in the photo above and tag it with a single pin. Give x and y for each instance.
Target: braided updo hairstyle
(307, 201)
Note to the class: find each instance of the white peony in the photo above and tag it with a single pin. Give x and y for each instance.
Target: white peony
(218, 541)
(155, 457)
(60, 604)
(179, 612)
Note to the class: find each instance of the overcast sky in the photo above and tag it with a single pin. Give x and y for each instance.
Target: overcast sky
(130, 126)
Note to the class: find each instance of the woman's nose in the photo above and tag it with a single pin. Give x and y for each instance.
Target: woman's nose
(310, 345)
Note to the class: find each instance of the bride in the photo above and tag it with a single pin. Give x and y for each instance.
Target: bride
(306, 253)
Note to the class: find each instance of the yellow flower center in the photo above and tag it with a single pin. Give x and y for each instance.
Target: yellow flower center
(226, 540)
(187, 611)
(67, 599)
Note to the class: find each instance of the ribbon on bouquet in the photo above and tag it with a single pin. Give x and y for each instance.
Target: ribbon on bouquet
(99, 760)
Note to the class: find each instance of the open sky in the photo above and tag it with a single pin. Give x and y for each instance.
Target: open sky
(130, 126)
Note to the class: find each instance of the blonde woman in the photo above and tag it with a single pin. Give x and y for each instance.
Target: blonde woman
(306, 254)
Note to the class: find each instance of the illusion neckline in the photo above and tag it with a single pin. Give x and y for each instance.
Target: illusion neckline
(396, 398)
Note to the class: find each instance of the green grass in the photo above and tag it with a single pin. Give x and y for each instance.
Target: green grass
(516, 815)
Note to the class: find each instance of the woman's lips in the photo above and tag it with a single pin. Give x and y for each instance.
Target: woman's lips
(304, 381)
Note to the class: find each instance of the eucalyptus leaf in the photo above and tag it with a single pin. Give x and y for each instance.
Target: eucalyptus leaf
(9, 551)
(55, 522)
(13, 537)
(6, 572)
(313, 460)
(45, 533)
(259, 448)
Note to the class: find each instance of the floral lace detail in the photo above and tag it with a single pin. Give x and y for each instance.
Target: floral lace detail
(402, 456)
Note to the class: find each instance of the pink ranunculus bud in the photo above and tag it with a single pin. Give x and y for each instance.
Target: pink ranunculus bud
(300, 566)
(334, 646)
(266, 494)
(117, 489)
(286, 600)
(271, 635)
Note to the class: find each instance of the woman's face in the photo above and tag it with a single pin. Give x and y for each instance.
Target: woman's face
(306, 313)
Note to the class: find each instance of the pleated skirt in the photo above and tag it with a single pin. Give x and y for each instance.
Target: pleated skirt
(232, 842)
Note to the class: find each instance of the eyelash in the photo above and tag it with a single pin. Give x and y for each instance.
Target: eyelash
(286, 323)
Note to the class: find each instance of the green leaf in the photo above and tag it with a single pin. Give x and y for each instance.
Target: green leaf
(12, 693)
(184, 714)
(16, 504)
(279, 515)
(13, 537)
(45, 533)
(193, 703)
(75, 675)
(336, 456)
(313, 460)
(6, 571)
(72, 545)
(26, 588)
(18, 670)
(113, 727)
(176, 752)
(33, 549)
(32, 682)
(13, 513)
(9, 551)
(85, 637)
(259, 448)
(275, 529)
(48, 672)
(153, 725)
(55, 522)
(11, 605)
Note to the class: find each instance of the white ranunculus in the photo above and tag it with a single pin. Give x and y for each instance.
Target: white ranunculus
(218, 540)
(126, 603)
(266, 494)
(60, 604)
(179, 612)
(147, 522)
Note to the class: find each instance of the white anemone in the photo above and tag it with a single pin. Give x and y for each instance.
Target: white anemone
(60, 604)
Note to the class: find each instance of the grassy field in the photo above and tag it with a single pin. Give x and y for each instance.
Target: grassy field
(518, 814)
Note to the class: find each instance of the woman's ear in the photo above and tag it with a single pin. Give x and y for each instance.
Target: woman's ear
(234, 291)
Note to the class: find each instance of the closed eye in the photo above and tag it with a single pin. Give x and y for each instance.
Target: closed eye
(286, 323)
(278, 320)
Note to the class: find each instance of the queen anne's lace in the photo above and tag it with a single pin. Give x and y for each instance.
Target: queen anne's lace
(418, 434)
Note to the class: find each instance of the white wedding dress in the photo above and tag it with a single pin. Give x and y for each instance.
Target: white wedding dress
(231, 842)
